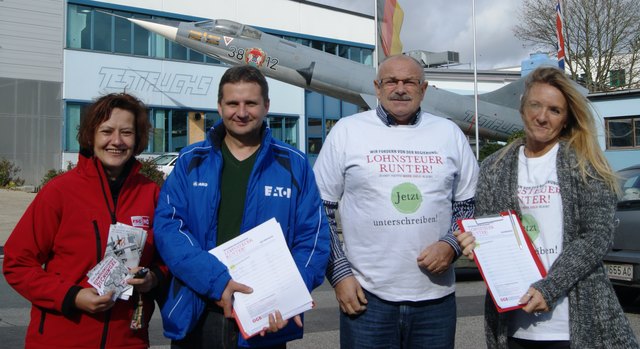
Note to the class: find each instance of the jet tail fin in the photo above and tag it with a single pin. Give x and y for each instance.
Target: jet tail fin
(508, 96)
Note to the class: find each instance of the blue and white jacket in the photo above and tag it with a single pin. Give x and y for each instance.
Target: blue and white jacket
(281, 185)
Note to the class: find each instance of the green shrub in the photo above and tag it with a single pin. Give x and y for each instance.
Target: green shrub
(52, 173)
(515, 135)
(488, 149)
(492, 147)
(150, 171)
(8, 174)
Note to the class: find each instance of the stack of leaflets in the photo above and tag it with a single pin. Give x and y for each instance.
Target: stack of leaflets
(124, 248)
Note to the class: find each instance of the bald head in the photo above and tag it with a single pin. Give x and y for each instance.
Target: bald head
(399, 59)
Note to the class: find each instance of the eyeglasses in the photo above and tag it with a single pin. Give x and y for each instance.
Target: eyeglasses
(393, 82)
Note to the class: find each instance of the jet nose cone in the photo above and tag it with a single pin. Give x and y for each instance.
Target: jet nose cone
(166, 28)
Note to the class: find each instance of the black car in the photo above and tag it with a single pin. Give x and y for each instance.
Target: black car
(623, 261)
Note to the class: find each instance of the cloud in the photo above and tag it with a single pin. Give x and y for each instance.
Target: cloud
(446, 25)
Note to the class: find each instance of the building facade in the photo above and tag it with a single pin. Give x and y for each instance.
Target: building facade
(58, 56)
(618, 113)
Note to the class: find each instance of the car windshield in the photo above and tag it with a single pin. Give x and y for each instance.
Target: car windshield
(164, 159)
(630, 184)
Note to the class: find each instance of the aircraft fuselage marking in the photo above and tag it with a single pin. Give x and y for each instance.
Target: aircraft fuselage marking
(239, 53)
(492, 124)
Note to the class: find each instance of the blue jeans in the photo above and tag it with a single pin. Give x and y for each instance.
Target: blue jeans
(425, 324)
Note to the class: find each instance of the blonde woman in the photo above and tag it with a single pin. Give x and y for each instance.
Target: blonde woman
(559, 182)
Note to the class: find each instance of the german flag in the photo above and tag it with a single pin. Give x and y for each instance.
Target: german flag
(390, 17)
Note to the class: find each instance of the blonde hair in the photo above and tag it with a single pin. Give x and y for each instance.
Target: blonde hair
(580, 131)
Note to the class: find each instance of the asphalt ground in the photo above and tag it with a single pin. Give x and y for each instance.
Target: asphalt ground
(321, 323)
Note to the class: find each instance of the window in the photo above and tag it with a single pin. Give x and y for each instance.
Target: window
(367, 56)
(158, 143)
(284, 129)
(79, 27)
(331, 107)
(122, 33)
(141, 38)
(318, 45)
(168, 133)
(178, 130)
(616, 78)
(169, 130)
(328, 125)
(323, 112)
(72, 124)
(354, 54)
(210, 119)
(158, 46)
(623, 132)
(89, 28)
(178, 51)
(195, 56)
(330, 47)
(630, 184)
(211, 60)
(314, 136)
(101, 33)
(343, 51)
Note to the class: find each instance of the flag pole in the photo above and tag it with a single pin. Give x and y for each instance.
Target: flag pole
(475, 80)
(376, 35)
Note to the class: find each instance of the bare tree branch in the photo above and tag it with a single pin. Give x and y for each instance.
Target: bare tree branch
(602, 38)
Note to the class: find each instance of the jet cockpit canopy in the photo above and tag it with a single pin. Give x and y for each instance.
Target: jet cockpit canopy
(231, 28)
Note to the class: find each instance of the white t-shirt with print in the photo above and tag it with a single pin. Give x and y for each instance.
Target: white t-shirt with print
(395, 186)
(541, 205)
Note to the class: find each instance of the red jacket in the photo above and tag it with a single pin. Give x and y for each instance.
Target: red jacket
(60, 237)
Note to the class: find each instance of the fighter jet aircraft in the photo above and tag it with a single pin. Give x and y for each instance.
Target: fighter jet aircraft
(235, 43)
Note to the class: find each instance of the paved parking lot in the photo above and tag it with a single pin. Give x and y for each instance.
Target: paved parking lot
(321, 323)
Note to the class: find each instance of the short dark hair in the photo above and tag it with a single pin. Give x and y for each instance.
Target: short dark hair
(100, 111)
(244, 73)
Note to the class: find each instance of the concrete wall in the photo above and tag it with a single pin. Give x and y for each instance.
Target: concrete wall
(31, 46)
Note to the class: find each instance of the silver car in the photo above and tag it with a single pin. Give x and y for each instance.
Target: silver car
(165, 163)
(623, 261)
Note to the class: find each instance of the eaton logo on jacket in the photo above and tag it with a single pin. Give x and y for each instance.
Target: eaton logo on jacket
(277, 192)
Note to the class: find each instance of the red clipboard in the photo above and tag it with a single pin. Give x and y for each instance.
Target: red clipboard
(526, 244)
(243, 333)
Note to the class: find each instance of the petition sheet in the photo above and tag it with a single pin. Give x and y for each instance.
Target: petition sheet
(505, 256)
(260, 259)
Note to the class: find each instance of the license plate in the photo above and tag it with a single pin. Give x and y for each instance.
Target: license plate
(620, 271)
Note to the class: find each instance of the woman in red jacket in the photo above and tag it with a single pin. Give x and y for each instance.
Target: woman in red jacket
(63, 234)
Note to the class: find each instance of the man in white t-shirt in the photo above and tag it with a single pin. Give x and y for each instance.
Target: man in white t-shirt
(401, 178)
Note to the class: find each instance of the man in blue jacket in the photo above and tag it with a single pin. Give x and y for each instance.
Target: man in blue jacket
(234, 180)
